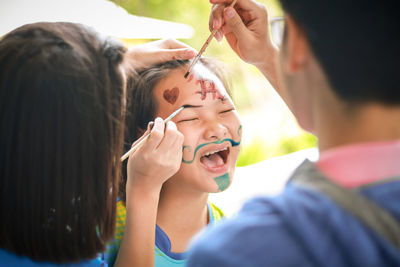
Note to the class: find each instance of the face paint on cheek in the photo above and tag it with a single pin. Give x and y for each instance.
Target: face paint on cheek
(223, 181)
(240, 131)
(171, 95)
(206, 88)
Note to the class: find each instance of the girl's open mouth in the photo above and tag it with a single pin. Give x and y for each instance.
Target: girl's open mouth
(215, 160)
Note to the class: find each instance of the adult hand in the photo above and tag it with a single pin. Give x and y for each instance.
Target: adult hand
(156, 160)
(245, 27)
(149, 54)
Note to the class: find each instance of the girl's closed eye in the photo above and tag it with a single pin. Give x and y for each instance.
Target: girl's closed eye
(227, 110)
(188, 119)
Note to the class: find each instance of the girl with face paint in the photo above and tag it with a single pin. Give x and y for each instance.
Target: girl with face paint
(212, 132)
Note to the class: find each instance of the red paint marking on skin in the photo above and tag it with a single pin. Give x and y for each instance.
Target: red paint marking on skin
(222, 98)
(208, 87)
(171, 95)
(203, 92)
(190, 78)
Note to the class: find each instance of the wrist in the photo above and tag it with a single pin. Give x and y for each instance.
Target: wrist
(268, 65)
(268, 62)
(142, 194)
(132, 60)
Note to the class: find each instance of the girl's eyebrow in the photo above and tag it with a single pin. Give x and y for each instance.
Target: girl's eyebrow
(192, 106)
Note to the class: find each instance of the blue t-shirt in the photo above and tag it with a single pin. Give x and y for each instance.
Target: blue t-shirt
(10, 259)
(300, 227)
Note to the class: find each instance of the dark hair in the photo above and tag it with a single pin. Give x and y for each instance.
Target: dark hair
(357, 44)
(61, 118)
(142, 105)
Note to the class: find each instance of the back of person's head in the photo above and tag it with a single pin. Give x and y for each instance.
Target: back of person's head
(61, 118)
(356, 44)
(141, 103)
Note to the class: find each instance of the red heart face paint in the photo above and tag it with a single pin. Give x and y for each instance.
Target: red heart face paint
(171, 95)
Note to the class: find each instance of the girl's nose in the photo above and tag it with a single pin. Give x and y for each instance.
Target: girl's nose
(215, 131)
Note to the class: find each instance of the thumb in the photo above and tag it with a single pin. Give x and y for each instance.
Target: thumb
(235, 23)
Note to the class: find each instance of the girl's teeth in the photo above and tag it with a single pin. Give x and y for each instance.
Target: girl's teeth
(213, 152)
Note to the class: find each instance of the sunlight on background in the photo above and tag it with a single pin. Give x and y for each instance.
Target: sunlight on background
(105, 16)
(269, 129)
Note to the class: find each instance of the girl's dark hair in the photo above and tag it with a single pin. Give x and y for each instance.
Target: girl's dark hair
(61, 118)
(142, 105)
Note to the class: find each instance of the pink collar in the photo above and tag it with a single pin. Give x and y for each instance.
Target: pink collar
(359, 164)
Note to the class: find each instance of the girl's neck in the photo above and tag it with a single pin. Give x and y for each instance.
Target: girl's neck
(178, 207)
(181, 214)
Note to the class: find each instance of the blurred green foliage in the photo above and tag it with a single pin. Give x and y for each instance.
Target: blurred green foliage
(243, 76)
(258, 150)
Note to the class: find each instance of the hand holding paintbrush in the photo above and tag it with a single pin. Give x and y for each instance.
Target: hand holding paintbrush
(203, 48)
(144, 138)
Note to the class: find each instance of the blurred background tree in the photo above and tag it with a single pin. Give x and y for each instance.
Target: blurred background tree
(269, 128)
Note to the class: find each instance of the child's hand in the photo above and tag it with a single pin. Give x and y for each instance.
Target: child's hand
(157, 159)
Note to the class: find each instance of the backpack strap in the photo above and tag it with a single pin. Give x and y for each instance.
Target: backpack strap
(366, 211)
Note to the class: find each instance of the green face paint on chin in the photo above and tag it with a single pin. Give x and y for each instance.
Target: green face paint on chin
(223, 181)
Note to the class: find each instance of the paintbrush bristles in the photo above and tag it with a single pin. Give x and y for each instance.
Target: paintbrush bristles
(173, 114)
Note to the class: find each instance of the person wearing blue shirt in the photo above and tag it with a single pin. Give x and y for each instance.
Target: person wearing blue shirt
(337, 69)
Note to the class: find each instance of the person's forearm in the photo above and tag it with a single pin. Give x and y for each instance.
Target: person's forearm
(137, 247)
(269, 68)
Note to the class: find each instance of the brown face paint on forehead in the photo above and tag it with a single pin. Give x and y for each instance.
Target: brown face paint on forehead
(171, 95)
(208, 87)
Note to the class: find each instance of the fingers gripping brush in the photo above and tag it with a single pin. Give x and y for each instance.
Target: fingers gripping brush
(203, 48)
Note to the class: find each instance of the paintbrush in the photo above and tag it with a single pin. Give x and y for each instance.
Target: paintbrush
(205, 45)
(137, 145)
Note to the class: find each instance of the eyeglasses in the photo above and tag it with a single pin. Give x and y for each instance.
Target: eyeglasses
(277, 30)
